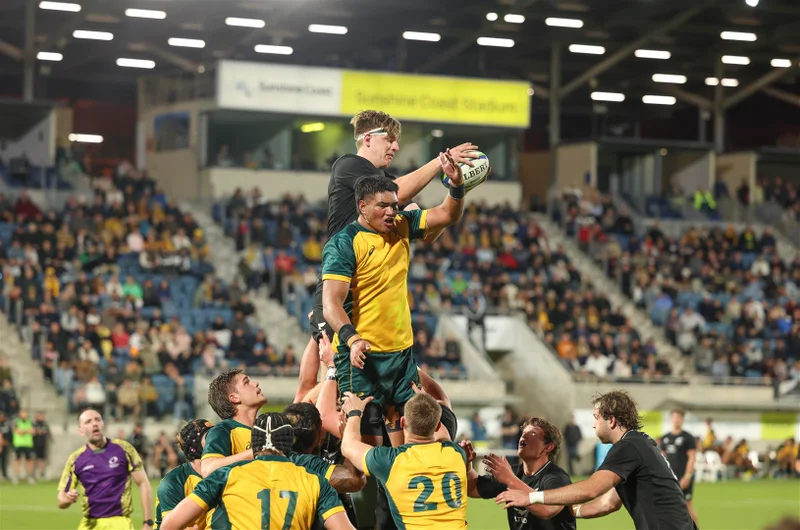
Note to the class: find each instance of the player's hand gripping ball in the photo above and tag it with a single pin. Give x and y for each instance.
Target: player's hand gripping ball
(475, 175)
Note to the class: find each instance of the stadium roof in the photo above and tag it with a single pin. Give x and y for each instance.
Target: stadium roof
(690, 30)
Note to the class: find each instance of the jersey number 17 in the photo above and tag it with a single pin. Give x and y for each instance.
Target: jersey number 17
(264, 497)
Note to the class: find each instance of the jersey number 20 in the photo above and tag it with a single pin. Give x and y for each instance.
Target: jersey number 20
(450, 482)
(264, 495)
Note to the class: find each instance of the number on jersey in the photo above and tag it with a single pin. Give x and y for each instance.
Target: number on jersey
(451, 491)
(264, 497)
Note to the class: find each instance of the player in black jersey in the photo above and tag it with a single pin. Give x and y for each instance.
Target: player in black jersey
(538, 450)
(376, 135)
(634, 474)
(680, 448)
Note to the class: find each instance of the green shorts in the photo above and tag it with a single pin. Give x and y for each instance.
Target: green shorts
(387, 377)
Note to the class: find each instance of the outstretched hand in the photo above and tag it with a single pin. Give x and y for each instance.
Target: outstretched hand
(451, 169)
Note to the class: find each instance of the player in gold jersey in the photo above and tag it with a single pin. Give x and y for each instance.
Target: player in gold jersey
(236, 399)
(365, 290)
(267, 492)
(181, 481)
(425, 480)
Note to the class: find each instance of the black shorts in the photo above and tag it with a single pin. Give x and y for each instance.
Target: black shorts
(24, 452)
(318, 323)
(688, 493)
(40, 451)
(450, 422)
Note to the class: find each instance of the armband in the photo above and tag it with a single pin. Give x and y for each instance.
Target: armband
(348, 334)
(536, 497)
(354, 414)
(330, 375)
(578, 512)
(458, 192)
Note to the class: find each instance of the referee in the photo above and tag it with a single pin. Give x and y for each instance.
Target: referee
(634, 474)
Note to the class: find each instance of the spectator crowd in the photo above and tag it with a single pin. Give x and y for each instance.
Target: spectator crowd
(117, 298)
(724, 296)
(497, 259)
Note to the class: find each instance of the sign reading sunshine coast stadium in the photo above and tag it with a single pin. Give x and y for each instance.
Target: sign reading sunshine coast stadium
(332, 92)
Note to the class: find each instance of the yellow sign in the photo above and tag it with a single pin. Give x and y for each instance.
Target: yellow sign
(438, 99)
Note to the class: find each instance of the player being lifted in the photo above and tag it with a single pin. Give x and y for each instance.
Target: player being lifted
(377, 137)
(268, 492)
(365, 266)
(181, 481)
(104, 468)
(425, 480)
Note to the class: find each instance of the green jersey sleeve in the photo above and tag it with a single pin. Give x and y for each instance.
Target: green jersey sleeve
(339, 258)
(378, 462)
(218, 443)
(417, 223)
(328, 503)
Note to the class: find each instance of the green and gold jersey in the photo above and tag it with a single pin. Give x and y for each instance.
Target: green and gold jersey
(227, 438)
(426, 484)
(174, 487)
(376, 267)
(268, 492)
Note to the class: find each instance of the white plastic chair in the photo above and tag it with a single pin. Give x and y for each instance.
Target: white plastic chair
(715, 468)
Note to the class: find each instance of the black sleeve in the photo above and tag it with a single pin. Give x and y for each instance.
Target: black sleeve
(690, 445)
(623, 459)
(662, 442)
(489, 488)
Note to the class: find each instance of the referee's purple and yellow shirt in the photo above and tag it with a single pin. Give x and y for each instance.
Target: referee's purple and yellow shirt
(105, 477)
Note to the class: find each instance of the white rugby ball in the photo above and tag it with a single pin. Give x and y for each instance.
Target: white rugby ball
(475, 175)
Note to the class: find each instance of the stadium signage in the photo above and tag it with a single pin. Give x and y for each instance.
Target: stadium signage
(332, 92)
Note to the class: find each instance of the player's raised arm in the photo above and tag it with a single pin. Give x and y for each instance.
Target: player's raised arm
(410, 185)
(452, 208)
(353, 448)
(329, 390)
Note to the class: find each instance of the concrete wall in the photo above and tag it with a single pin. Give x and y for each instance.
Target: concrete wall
(535, 174)
(314, 185)
(733, 168)
(176, 171)
(574, 162)
(690, 169)
(38, 144)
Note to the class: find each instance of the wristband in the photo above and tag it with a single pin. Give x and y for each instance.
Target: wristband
(536, 497)
(346, 333)
(578, 512)
(458, 192)
(330, 375)
(354, 414)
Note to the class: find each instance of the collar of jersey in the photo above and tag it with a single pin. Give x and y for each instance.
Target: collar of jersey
(365, 229)
(272, 458)
(238, 423)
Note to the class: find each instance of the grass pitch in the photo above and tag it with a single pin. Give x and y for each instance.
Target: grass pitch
(722, 506)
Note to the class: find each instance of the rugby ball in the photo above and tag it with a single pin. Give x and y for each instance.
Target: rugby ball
(475, 175)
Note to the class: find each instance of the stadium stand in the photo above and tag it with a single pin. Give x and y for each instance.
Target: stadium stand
(723, 295)
(118, 302)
